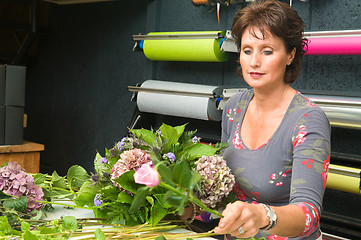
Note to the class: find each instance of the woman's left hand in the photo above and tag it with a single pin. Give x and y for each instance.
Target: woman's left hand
(242, 220)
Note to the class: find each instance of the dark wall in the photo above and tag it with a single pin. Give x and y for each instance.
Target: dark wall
(77, 99)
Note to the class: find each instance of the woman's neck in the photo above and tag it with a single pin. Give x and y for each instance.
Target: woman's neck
(273, 99)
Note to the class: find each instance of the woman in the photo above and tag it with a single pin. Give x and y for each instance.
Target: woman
(279, 140)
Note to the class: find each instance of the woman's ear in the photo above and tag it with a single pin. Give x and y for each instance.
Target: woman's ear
(291, 56)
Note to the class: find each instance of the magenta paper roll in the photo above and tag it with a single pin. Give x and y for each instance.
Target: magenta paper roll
(334, 46)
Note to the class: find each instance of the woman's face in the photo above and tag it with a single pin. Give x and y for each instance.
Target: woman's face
(263, 60)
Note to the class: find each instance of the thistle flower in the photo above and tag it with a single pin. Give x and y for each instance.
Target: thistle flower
(125, 143)
(217, 180)
(16, 182)
(129, 160)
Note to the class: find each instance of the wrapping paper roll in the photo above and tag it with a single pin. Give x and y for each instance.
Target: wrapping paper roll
(178, 105)
(334, 46)
(343, 183)
(196, 50)
(344, 178)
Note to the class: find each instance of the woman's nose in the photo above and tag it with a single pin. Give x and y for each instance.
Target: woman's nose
(255, 60)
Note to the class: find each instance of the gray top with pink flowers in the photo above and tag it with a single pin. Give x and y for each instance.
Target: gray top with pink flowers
(290, 168)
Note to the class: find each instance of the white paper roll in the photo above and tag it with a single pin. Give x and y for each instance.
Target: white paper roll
(178, 105)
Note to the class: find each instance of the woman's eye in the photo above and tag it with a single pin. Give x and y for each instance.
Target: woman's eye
(268, 52)
(247, 52)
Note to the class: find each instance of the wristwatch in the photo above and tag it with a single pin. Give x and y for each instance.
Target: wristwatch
(272, 218)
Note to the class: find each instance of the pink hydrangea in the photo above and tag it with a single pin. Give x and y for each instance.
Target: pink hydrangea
(129, 160)
(217, 179)
(16, 182)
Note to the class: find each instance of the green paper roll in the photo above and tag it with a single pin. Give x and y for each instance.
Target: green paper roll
(195, 50)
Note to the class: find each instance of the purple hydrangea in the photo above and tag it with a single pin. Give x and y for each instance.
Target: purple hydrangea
(170, 156)
(16, 182)
(97, 200)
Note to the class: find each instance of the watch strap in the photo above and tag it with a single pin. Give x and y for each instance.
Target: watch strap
(272, 218)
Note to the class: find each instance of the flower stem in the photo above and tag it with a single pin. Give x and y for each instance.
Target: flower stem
(191, 198)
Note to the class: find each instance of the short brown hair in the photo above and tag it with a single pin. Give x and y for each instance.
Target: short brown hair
(281, 21)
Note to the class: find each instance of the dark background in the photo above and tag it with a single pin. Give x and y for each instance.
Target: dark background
(77, 100)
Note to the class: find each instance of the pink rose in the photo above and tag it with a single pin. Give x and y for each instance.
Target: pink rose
(146, 175)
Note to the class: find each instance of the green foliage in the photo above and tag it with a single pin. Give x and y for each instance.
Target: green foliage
(121, 200)
(18, 204)
(69, 223)
(99, 235)
(76, 176)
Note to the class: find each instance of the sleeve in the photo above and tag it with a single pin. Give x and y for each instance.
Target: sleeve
(225, 134)
(311, 157)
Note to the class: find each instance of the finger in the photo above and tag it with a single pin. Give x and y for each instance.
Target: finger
(232, 215)
(239, 232)
(228, 225)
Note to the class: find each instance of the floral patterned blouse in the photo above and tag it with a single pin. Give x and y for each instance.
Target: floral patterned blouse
(290, 168)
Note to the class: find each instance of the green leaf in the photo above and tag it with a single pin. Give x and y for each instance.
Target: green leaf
(126, 181)
(19, 204)
(86, 194)
(69, 223)
(4, 225)
(4, 195)
(196, 177)
(39, 178)
(85, 199)
(161, 237)
(99, 167)
(182, 174)
(180, 129)
(110, 193)
(29, 236)
(124, 197)
(77, 175)
(58, 181)
(150, 200)
(160, 200)
(38, 215)
(147, 136)
(173, 200)
(158, 212)
(25, 226)
(164, 172)
(169, 133)
(99, 234)
(46, 230)
(198, 150)
(139, 198)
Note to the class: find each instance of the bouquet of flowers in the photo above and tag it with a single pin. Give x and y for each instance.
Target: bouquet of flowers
(147, 177)
(154, 174)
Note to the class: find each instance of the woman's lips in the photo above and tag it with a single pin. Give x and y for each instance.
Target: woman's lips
(256, 74)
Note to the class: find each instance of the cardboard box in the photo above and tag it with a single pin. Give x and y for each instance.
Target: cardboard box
(12, 85)
(11, 125)
(26, 154)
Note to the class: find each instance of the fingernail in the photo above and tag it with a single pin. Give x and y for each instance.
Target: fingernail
(221, 225)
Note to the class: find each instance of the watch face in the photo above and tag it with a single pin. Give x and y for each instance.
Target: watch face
(273, 215)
